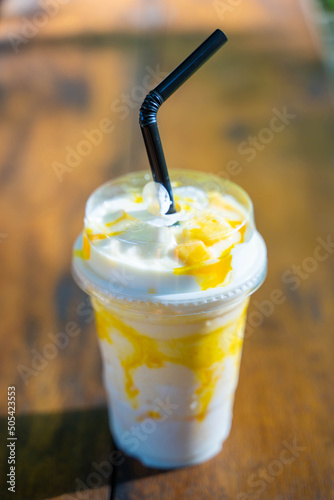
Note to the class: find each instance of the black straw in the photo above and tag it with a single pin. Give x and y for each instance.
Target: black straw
(153, 101)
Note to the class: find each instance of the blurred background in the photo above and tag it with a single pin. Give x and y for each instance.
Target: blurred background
(70, 68)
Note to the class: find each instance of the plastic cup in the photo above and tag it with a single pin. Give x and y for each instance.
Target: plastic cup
(171, 354)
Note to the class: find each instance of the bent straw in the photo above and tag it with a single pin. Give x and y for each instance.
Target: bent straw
(154, 99)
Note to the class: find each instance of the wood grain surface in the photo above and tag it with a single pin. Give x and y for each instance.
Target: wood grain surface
(51, 95)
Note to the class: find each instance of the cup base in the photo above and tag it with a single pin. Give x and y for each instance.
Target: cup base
(163, 463)
(182, 454)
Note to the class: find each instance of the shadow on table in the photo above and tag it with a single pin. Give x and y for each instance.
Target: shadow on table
(68, 453)
(131, 470)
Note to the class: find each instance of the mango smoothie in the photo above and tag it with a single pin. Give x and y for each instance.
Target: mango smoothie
(170, 294)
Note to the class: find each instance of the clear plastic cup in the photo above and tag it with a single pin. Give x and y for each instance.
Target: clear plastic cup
(171, 353)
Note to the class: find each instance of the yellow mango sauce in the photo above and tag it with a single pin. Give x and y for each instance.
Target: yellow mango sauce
(203, 353)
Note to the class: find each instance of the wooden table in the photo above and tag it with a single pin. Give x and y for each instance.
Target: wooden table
(50, 94)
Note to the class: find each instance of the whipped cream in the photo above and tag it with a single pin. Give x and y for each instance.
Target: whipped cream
(130, 245)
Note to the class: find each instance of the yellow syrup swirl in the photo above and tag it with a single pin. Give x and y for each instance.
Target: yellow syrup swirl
(84, 252)
(212, 274)
(203, 353)
(122, 222)
(150, 414)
